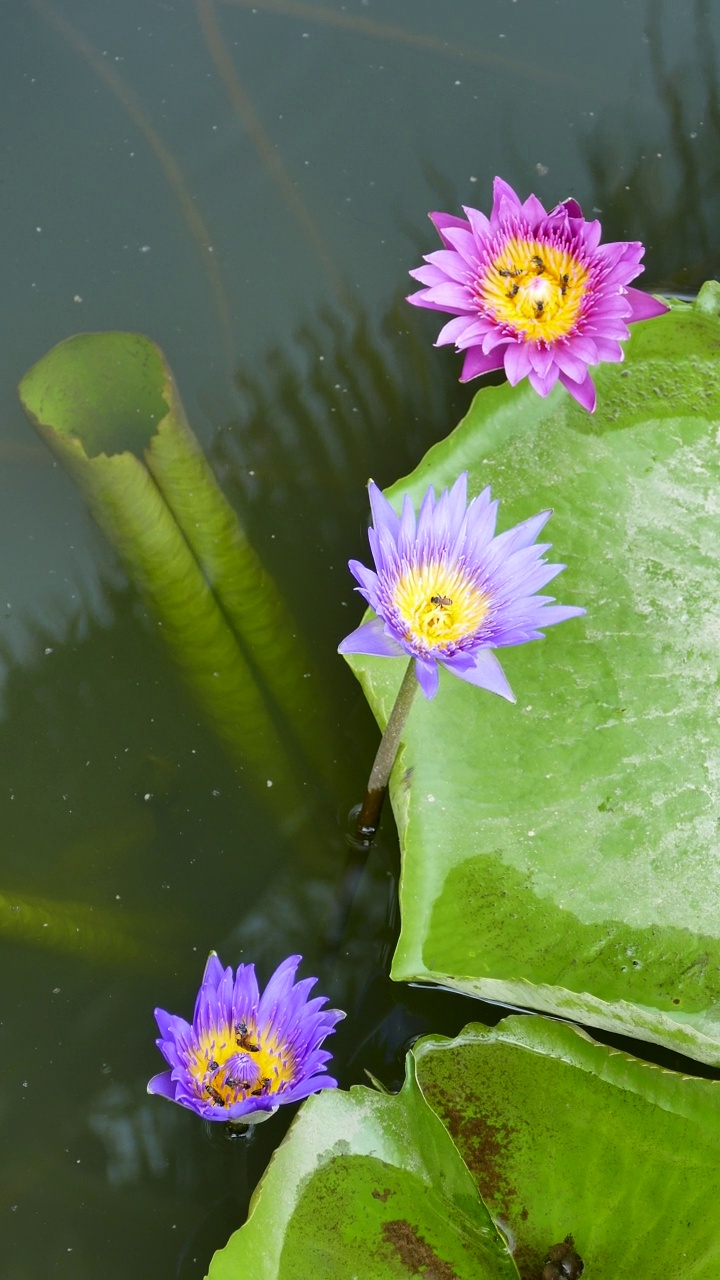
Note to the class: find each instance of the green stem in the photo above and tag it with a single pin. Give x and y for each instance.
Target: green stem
(369, 816)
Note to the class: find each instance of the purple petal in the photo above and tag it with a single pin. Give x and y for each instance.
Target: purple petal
(306, 1087)
(427, 676)
(213, 971)
(371, 638)
(554, 613)
(164, 1021)
(366, 577)
(162, 1084)
(486, 673)
(384, 517)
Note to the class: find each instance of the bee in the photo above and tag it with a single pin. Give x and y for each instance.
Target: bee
(258, 1093)
(564, 284)
(539, 308)
(442, 602)
(217, 1098)
(232, 1083)
(242, 1038)
(513, 291)
(509, 271)
(212, 1065)
(538, 264)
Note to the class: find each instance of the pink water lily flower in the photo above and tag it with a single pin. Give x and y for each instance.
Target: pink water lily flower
(532, 292)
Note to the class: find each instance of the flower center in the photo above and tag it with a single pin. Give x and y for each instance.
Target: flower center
(535, 288)
(236, 1063)
(438, 604)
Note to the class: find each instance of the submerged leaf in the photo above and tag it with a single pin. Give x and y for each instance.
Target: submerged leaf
(99, 935)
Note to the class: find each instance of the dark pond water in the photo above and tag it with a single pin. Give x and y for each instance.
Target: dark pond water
(247, 182)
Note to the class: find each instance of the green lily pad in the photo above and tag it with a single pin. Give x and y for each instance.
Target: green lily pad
(565, 1136)
(563, 854)
(366, 1184)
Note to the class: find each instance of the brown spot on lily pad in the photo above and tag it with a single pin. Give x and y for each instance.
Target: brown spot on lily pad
(382, 1195)
(415, 1253)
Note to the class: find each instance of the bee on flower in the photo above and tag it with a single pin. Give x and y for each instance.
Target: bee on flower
(447, 591)
(532, 292)
(245, 1053)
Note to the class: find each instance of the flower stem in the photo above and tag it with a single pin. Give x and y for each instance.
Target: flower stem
(369, 816)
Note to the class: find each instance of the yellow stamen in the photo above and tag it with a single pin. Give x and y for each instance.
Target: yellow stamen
(438, 605)
(536, 288)
(218, 1066)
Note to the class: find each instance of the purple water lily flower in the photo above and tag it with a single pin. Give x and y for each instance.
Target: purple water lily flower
(245, 1053)
(447, 590)
(533, 292)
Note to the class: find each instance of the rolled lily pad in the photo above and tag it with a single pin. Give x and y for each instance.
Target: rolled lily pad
(107, 406)
(564, 1136)
(562, 853)
(366, 1184)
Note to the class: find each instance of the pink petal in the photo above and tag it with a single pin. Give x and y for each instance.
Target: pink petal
(570, 363)
(608, 350)
(495, 337)
(571, 207)
(479, 224)
(584, 347)
(421, 299)
(583, 392)
(476, 362)
(429, 275)
(449, 262)
(644, 306)
(443, 221)
(464, 243)
(505, 201)
(517, 362)
(541, 358)
(534, 211)
(454, 330)
(450, 296)
(543, 383)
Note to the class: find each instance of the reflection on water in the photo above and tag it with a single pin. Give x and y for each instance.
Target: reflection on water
(302, 144)
(663, 185)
